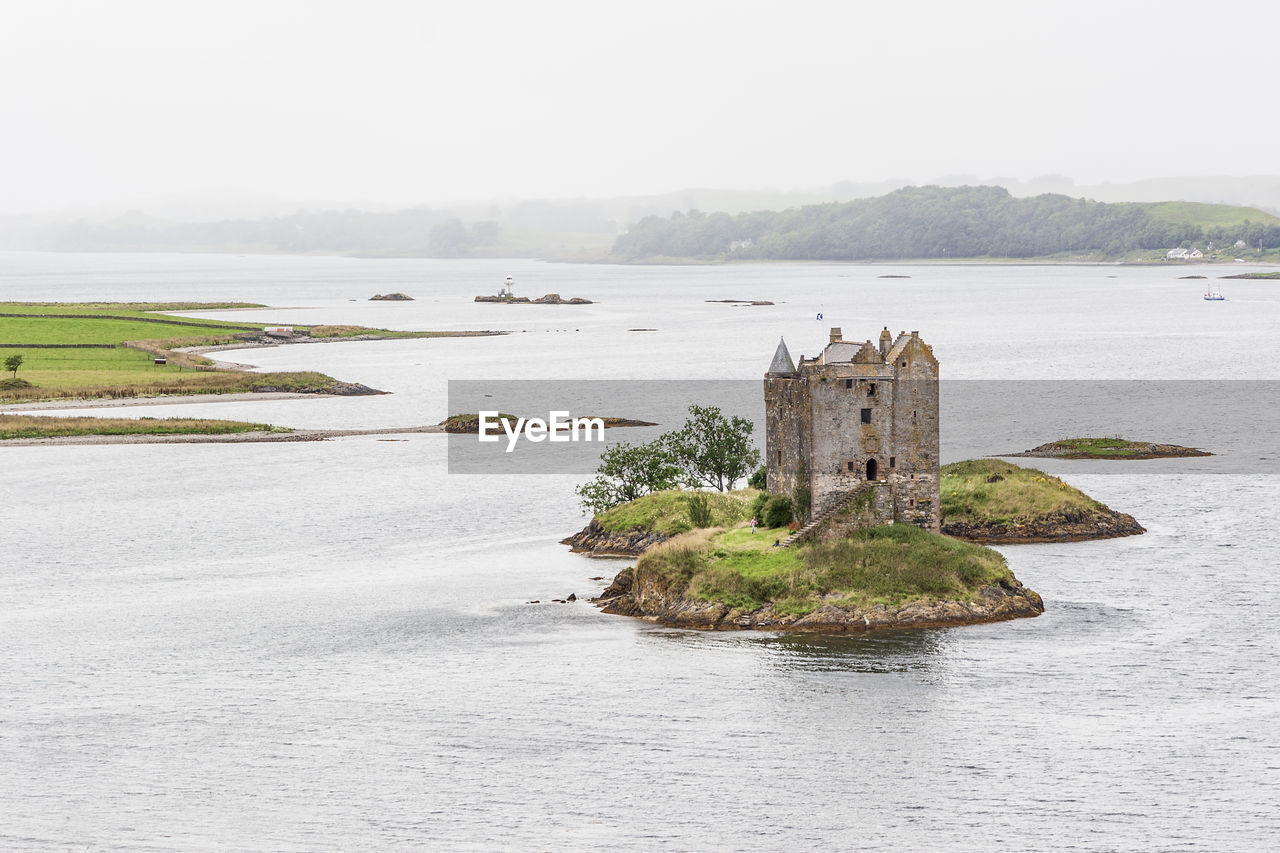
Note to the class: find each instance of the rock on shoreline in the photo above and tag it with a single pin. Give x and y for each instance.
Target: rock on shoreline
(594, 541)
(1062, 526)
(653, 599)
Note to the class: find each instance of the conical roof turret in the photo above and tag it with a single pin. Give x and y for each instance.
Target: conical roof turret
(782, 365)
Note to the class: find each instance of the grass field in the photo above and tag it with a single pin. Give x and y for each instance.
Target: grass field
(125, 339)
(890, 565)
(38, 426)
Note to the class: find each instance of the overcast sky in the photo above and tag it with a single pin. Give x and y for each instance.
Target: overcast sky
(429, 102)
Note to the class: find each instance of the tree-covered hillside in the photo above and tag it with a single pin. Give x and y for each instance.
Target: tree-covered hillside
(935, 222)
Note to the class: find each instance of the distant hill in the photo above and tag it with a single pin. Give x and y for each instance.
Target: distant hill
(1192, 209)
(947, 222)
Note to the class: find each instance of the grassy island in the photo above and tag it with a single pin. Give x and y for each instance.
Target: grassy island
(891, 565)
(989, 500)
(38, 426)
(894, 576)
(1109, 448)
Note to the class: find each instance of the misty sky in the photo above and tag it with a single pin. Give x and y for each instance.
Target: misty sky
(430, 102)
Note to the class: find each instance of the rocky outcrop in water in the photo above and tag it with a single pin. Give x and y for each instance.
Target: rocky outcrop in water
(391, 297)
(1061, 526)
(548, 299)
(594, 541)
(652, 597)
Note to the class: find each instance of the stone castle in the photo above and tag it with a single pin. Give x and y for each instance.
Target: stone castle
(860, 418)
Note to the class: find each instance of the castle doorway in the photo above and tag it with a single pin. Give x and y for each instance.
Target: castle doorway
(872, 470)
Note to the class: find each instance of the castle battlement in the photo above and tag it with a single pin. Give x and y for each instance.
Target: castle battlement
(859, 412)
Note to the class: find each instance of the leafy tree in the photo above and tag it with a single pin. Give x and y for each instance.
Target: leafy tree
(713, 450)
(627, 472)
(12, 363)
(760, 479)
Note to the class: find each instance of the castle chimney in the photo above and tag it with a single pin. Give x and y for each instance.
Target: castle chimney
(835, 335)
(886, 342)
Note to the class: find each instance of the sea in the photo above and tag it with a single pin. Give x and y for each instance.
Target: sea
(330, 646)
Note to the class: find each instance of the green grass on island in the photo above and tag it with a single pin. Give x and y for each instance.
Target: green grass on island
(108, 349)
(891, 565)
(39, 426)
(992, 492)
(668, 512)
(1110, 448)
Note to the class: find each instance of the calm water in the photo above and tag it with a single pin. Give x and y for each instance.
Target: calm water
(326, 645)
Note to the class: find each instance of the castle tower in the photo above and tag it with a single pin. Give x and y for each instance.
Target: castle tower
(858, 415)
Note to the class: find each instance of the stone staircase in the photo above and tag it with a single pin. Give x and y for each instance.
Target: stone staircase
(820, 519)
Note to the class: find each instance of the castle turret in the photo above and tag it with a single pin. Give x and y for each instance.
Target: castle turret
(782, 365)
(886, 342)
(836, 336)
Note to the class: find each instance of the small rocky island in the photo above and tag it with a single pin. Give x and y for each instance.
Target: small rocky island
(998, 503)
(391, 297)
(893, 576)
(548, 299)
(1108, 448)
(879, 528)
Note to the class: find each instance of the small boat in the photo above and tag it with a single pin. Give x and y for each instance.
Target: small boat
(1214, 296)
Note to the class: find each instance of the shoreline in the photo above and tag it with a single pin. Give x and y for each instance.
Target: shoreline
(228, 438)
(165, 400)
(651, 600)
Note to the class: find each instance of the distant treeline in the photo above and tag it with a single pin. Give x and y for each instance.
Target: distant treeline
(419, 230)
(422, 231)
(928, 222)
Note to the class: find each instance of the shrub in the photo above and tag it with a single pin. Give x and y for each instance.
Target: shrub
(759, 479)
(699, 510)
(777, 511)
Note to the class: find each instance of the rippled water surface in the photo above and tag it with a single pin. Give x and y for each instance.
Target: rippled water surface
(326, 645)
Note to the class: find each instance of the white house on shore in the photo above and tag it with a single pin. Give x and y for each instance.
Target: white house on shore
(1183, 254)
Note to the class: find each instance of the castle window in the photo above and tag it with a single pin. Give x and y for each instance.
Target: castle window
(911, 502)
(871, 390)
(866, 416)
(904, 364)
(848, 384)
(779, 457)
(851, 466)
(893, 462)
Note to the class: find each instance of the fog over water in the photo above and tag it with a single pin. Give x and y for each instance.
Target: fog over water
(320, 103)
(326, 645)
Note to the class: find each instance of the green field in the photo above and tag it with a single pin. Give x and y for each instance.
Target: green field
(93, 330)
(890, 565)
(120, 342)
